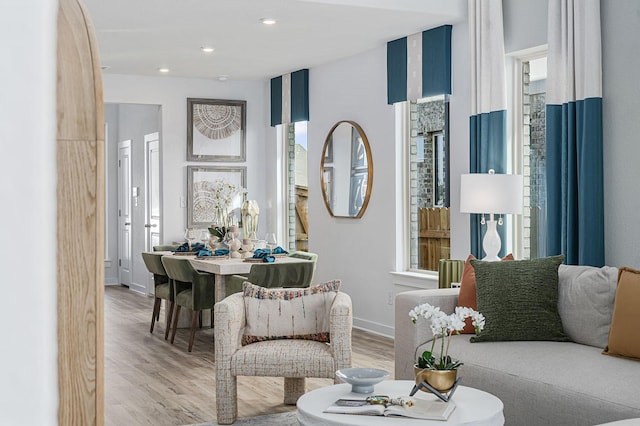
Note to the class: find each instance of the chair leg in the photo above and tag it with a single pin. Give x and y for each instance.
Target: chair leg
(175, 323)
(294, 388)
(200, 319)
(154, 316)
(193, 327)
(226, 397)
(166, 331)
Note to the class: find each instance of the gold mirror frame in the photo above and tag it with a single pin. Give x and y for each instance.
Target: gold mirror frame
(328, 151)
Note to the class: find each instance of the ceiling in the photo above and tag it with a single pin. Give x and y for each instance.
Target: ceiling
(141, 36)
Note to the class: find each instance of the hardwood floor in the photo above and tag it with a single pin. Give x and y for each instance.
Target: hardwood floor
(148, 381)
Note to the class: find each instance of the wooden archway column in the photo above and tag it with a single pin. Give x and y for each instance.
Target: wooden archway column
(80, 199)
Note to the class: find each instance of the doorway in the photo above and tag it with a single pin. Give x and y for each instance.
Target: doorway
(139, 124)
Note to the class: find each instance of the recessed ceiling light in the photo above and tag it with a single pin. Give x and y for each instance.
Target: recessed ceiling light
(223, 77)
(207, 49)
(163, 70)
(268, 21)
(105, 67)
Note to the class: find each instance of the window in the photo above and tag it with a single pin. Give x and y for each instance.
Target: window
(297, 186)
(428, 165)
(530, 154)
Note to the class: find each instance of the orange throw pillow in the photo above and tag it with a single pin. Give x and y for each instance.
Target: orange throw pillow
(467, 296)
(624, 338)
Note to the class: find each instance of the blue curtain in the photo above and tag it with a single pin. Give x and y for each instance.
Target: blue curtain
(575, 204)
(488, 121)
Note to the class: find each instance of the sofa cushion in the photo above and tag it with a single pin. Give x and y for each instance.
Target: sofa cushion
(519, 299)
(288, 313)
(585, 302)
(557, 383)
(467, 297)
(624, 338)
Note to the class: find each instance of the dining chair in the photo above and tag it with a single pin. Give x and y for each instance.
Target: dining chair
(192, 290)
(298, 274)
(166, 247)
(306, 255)
(163, 289)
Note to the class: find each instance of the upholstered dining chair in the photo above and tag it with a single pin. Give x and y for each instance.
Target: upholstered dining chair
(306, 255)
(192, 289)
(168, 247)
(163, 289)
(272, 344)
(298, 274)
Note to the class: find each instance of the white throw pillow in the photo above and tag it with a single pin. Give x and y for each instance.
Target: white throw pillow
(288, 313)
(585, 302)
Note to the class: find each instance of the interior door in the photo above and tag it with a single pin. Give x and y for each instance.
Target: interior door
(152, 193)
(124, 212)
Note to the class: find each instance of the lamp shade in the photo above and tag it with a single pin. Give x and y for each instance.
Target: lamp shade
(491, 193)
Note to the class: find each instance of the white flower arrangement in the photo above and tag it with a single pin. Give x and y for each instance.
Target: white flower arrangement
(223, 194)
(442, 327)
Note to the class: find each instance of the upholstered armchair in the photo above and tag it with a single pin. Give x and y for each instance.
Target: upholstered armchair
(291, 358)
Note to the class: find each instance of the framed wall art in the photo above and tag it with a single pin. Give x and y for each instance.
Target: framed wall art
(200, 197)
(216, 130)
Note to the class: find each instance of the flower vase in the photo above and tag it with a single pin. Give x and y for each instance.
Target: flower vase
(234, 246)
(441, 380)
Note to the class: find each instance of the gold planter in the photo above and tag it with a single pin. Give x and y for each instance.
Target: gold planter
(441, 380)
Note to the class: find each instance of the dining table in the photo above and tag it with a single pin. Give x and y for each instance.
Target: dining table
(221, 267)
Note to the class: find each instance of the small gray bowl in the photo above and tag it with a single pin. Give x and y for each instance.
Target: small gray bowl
(362, 380)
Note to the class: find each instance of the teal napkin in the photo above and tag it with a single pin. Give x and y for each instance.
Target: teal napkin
(220, 252)
(183, 248)
(204, 253)
(279, 250)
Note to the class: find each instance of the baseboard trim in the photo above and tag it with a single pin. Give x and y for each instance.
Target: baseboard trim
(374, 327)
(111, 281)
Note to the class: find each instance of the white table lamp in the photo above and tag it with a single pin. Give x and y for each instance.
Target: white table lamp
(490, 193)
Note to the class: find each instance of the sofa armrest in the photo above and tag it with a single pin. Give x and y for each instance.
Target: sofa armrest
(228, 324)
(409, 336)
(341, 323)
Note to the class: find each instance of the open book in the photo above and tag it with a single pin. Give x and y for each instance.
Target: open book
(421, 409)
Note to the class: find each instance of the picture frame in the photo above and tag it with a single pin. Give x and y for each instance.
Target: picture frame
(216, 130)
(200, 210)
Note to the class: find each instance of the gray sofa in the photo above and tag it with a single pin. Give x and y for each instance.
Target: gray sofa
(539, 382)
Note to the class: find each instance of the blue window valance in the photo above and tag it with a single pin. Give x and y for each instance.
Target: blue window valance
(290, 98)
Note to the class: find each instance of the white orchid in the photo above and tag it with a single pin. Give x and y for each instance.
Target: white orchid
(442, 327)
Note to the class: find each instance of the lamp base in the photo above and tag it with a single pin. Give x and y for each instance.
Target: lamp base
(491, 242)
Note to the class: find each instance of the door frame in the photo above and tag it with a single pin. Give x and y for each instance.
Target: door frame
(128, 198)
(80, 201)
(150, 138)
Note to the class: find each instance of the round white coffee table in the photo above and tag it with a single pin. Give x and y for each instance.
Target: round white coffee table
(473, 406)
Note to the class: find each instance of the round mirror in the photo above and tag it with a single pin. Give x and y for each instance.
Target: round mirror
(347, 170)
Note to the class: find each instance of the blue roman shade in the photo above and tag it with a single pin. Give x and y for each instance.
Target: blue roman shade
(419, 65)
(290, 98)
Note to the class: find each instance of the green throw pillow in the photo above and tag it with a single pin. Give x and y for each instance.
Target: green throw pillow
(519, 300)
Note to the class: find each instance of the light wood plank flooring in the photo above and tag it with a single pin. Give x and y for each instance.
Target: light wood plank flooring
(151, 382)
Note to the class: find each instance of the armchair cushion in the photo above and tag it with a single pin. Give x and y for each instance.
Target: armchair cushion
(279, 313)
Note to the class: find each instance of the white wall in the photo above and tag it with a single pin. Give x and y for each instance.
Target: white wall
(171, 94)
(28, 359)
(362, 252)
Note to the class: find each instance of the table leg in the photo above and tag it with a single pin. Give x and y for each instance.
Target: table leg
(220, 290)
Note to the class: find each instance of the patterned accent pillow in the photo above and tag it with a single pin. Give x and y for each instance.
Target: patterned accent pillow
(288, 313)
(519, 300)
